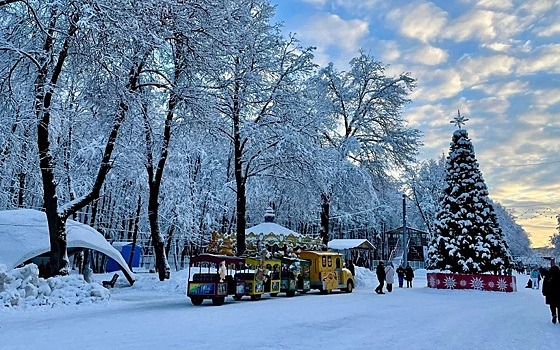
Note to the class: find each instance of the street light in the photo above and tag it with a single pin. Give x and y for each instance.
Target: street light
(405, 238)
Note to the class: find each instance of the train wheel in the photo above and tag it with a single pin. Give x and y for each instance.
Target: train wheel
(218, 301)
(349, 287)
(237, 297)
(290, 293)
(196, 300)
(273, 294)
(255, 297)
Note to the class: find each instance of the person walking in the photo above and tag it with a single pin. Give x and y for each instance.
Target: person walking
(390, 276)
(551, 291)
(400, 275)
(535, 277)
(380, 272)
(409, 275)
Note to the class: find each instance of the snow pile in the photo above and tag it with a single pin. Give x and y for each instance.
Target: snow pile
(364, 277)
(176, 284)
(22, 287)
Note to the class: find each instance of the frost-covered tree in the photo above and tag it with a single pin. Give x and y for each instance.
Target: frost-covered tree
(75, 64)
(467, 237)
(255, 79)
(555, 238)
(426, 182)
(515, 236)
(365, 105)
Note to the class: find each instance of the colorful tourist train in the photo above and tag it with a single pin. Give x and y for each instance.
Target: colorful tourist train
(215, 277)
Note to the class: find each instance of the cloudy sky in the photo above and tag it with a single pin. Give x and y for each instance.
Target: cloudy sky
(498, 61)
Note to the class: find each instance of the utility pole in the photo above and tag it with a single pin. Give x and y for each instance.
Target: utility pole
(405, 238)
(383, 240)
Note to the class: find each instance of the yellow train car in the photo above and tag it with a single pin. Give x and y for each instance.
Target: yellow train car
(328, 272)
(260, 276)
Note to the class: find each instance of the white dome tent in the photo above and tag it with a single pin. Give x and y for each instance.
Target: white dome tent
(24, 235)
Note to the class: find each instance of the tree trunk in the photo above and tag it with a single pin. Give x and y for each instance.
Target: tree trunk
(241, 209)
(135, 231)
(325, 208)
(154, 180)
(44, 89)
(240, 179)
(162, 266)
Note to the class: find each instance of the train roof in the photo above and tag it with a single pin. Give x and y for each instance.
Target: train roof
(216, 259)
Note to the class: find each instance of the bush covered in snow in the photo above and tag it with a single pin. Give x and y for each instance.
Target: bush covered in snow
(23, 287)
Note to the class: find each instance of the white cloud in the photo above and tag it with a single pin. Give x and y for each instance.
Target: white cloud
(495, 4)
(436, 84)
(546, 60)
(357, 6)
(509, 46)
(428, 55)
(551, 30)
(495, 105)
(478, 69)
(483, 25)
(389, 51)
(330, 30)
(497, 46)
(503, 89)
(543, 99)
(421, 21)
(429, 116)
(538, 7)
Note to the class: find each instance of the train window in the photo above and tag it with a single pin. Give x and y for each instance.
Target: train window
(330, 261)
(338, 263)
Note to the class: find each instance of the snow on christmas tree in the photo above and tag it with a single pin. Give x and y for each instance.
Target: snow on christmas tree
(467, 237)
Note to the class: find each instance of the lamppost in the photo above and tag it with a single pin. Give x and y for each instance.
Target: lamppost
(405, 238)
(383, 240)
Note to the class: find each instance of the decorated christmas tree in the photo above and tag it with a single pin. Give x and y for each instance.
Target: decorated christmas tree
(467, 237)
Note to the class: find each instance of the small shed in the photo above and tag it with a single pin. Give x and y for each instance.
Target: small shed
(359, 251)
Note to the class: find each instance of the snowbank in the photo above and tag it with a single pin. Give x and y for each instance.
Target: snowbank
(22, 287)
(364, 278)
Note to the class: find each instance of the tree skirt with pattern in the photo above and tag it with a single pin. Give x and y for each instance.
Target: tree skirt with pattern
(494, 283)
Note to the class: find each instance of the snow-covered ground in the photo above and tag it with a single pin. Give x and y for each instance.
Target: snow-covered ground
(154, 314)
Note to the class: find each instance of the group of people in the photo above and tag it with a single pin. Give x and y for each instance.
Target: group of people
(386, 274)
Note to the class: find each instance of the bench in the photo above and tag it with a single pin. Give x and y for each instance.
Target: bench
(111, 283)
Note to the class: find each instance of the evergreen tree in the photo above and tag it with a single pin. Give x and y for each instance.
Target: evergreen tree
(467, 237)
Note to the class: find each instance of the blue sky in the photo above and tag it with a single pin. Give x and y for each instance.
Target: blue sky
(498, 61)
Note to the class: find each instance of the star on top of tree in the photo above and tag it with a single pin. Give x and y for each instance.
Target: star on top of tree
(459, 120)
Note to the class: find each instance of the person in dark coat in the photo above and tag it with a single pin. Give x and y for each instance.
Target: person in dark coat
(551, 291)
(409, 275)
(400, 275)
(350, 266)
(380, 272)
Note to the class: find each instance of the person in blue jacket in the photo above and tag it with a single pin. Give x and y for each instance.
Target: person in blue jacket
(400, 275)
(535, 277)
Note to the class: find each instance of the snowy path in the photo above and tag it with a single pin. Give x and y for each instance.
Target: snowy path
(418, 318)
